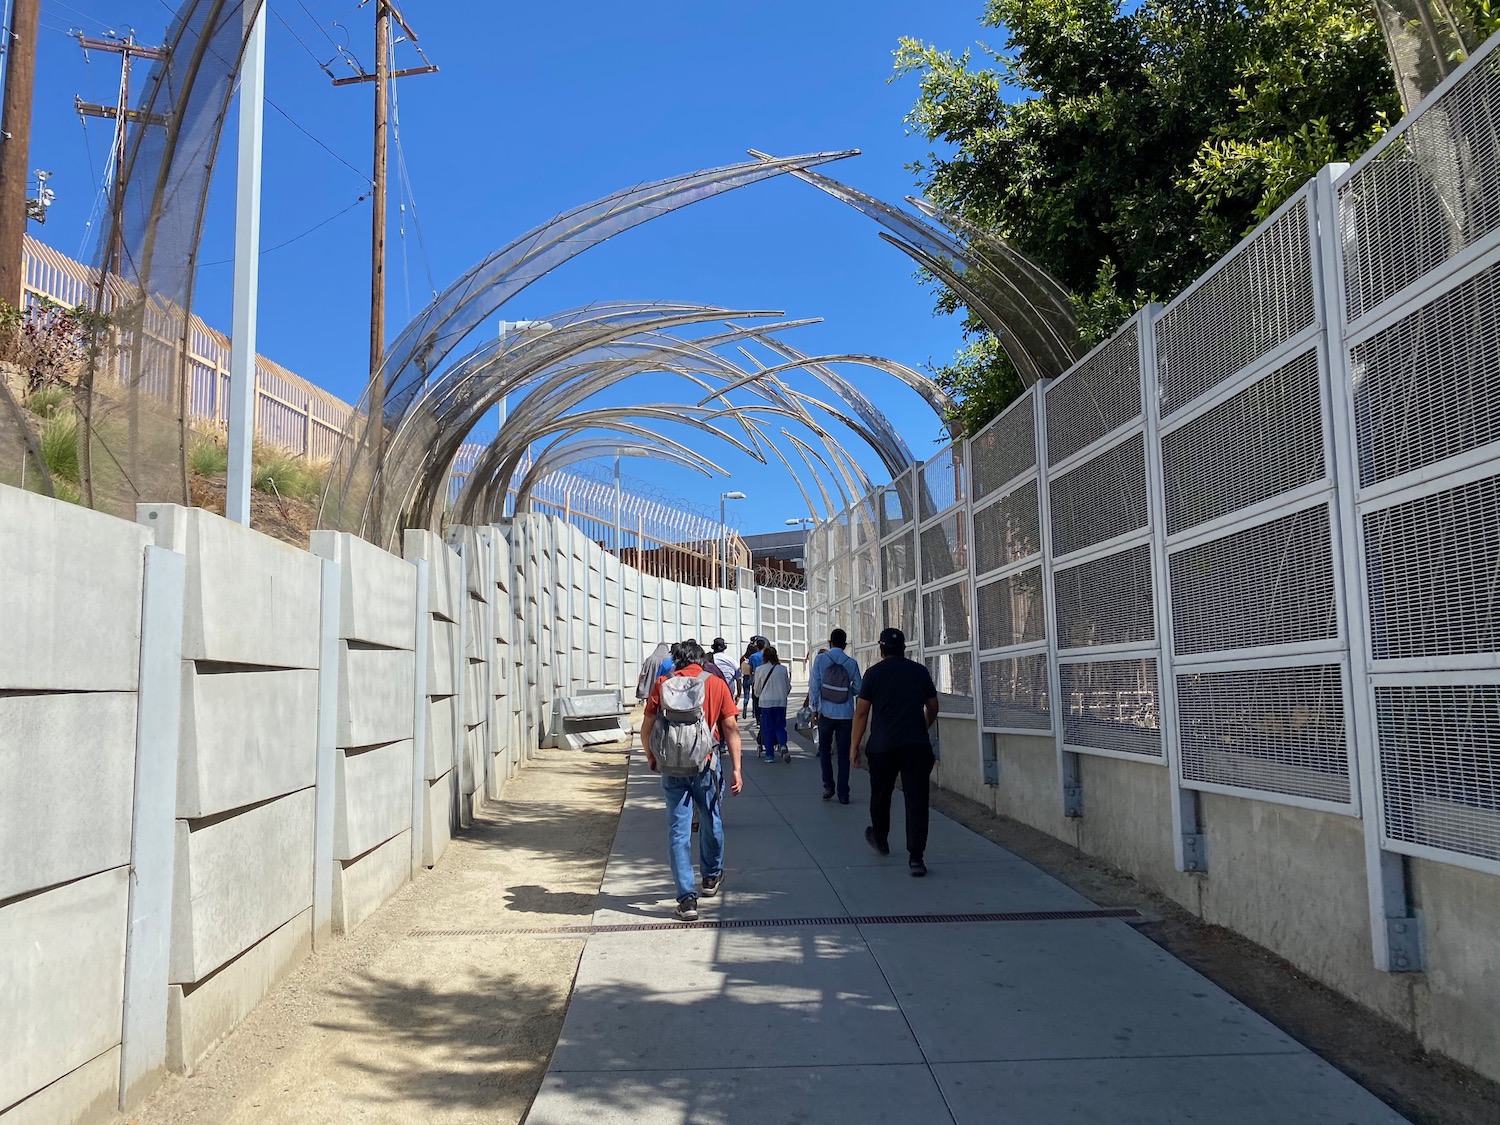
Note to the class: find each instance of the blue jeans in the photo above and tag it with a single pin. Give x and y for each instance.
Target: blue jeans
(682, 793)
(833, 739)
(772, 727)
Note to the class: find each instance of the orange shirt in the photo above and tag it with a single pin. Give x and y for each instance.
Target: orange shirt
(717, 702)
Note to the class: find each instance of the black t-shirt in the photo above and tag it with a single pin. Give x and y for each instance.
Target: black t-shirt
(897, 690)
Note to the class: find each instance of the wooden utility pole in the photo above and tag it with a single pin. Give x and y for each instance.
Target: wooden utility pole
(120, 113)
(15, 144)
(385, 12)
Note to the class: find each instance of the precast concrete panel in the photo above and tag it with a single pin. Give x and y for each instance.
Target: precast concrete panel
(62, 991)
(83, 1096)
(444, 573)
(249, 599)
(377, 590)
(198, 1019)
(65, 807)
(372, 797)
(442, 731)
(236, 879)
(442, 656)
(375, 694)
(71, 599)
(244, 737)
(473, 747)
(438, 828)
(361, 885)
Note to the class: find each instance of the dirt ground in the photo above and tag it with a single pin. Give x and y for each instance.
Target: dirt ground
(385, 1026)
(1391, 1064)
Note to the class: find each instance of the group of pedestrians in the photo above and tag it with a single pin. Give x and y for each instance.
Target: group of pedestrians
(692, 714)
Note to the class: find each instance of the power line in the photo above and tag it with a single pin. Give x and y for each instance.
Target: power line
(323, 66)
(296, 125)
(299, 237)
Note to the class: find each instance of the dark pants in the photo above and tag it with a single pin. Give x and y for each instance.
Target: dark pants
(913, 765)
(833, 741)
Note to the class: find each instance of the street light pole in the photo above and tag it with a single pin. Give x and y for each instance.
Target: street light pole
(723, 540)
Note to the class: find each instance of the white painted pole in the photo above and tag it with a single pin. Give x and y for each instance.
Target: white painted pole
(246, 269)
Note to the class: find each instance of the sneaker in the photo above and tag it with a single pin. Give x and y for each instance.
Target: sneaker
(918, 868)
(687, 908)
(768, 756)
(879, 845)
(711, 885)
(786, 753)
(828, 795)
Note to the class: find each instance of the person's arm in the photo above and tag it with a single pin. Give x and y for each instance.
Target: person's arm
(646, 724)
(930, 710)
(729, 730)
(857, 732)
(815, 683)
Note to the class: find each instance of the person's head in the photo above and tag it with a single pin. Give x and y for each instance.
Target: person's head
(838, 639)
(675, 653)
(749, 651)
(762, 644)
(770, 655)
(720, 644)
(892, 642)
(692, 653)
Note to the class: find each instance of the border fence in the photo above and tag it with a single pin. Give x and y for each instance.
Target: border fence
(1251, 540)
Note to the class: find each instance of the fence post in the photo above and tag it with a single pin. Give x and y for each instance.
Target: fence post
(143, 1051)
(419, 722)
(1395, 931)
(307, 427)
(328, 715)
(461, 685)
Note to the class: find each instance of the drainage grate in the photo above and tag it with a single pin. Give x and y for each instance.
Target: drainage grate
(1125, 914)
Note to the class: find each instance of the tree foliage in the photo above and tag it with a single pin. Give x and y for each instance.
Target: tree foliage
(1126, 150)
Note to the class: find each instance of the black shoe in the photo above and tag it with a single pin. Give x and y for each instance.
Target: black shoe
(879, 845)
(828, 795)
(711, 884)
(918, 868)
(687, 908)
(843, 800)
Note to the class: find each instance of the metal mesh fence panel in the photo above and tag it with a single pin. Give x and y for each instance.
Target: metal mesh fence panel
(867, 560)
(1105, 601)
(1432, 570)
(1096, 398)
(898, 561)
(1428, 194)
(1440, 765)
(900, 612)
(953, 675)
(940, 482)
(1267, 585)
(944, 549)
(1112, 705)
(1252, 302)
(1008, 530)
(1005, 448)
(1010, 610)
(1425, 387)
(896, 504)
(1273, 730)
(945, 616)
(1266, 440)
(866, 628)
(1014, 693)
(1100, 499)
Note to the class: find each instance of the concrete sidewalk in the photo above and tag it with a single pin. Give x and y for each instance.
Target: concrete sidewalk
(800, 1006)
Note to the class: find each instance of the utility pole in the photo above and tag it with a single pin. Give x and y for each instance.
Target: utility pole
(385, 12)
(120, 113)
(15, 143)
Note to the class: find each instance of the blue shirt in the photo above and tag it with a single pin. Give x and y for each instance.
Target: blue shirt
(756, 660)
(665, 669)
(820, 666)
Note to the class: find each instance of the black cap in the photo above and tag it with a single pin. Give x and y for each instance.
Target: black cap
(893, 639)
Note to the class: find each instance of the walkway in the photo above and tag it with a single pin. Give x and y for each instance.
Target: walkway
(825, 1015)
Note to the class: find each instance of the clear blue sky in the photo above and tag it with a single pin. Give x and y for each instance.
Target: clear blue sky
(539, 107)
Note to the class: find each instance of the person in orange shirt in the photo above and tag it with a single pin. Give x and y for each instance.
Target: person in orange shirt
(706, 789)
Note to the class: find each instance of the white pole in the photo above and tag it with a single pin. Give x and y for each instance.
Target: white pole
(246, 270)
(617, 504)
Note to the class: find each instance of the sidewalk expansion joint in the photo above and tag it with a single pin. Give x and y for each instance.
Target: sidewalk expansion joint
(1121, 914)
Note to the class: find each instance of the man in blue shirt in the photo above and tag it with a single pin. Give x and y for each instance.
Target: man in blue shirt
(831, 691)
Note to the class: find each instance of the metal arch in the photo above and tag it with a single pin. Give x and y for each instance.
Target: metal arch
(560, 453)
(797, 413)
(807, 451)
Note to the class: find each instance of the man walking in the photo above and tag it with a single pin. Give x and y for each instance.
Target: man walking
(689, 715)
(898, 703)
(831, 691)
(723, 666)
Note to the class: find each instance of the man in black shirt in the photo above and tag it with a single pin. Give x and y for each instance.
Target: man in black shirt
(897, 702)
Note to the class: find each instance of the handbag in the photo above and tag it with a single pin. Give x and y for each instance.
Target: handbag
(804, 719)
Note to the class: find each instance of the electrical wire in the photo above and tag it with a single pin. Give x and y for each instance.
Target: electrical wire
(403, 176)
(301, 129)
(323, 66)
(298, 237)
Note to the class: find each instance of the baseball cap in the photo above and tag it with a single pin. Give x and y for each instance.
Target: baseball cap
(892, 639)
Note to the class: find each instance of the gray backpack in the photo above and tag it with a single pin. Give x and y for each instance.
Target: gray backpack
(681, 739)
(836, 682)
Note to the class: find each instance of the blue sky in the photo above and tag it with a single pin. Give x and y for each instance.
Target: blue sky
(539, 107)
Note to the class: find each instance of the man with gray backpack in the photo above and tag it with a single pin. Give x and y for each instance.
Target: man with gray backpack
(831, 691)
(689, 717)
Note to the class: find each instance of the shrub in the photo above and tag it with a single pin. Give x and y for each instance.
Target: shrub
(208, 457)
(47, 401)
(60, 447)
(285, 474)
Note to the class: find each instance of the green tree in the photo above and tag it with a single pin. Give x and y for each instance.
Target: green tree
(1126, 150)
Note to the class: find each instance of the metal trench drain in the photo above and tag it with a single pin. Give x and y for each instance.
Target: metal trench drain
(1125, 914)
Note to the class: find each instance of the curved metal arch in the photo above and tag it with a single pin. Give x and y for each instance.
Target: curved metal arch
(835, 450)
(809, 454)
(560, 453)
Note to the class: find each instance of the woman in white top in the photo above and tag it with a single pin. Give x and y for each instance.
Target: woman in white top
(773, 685)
